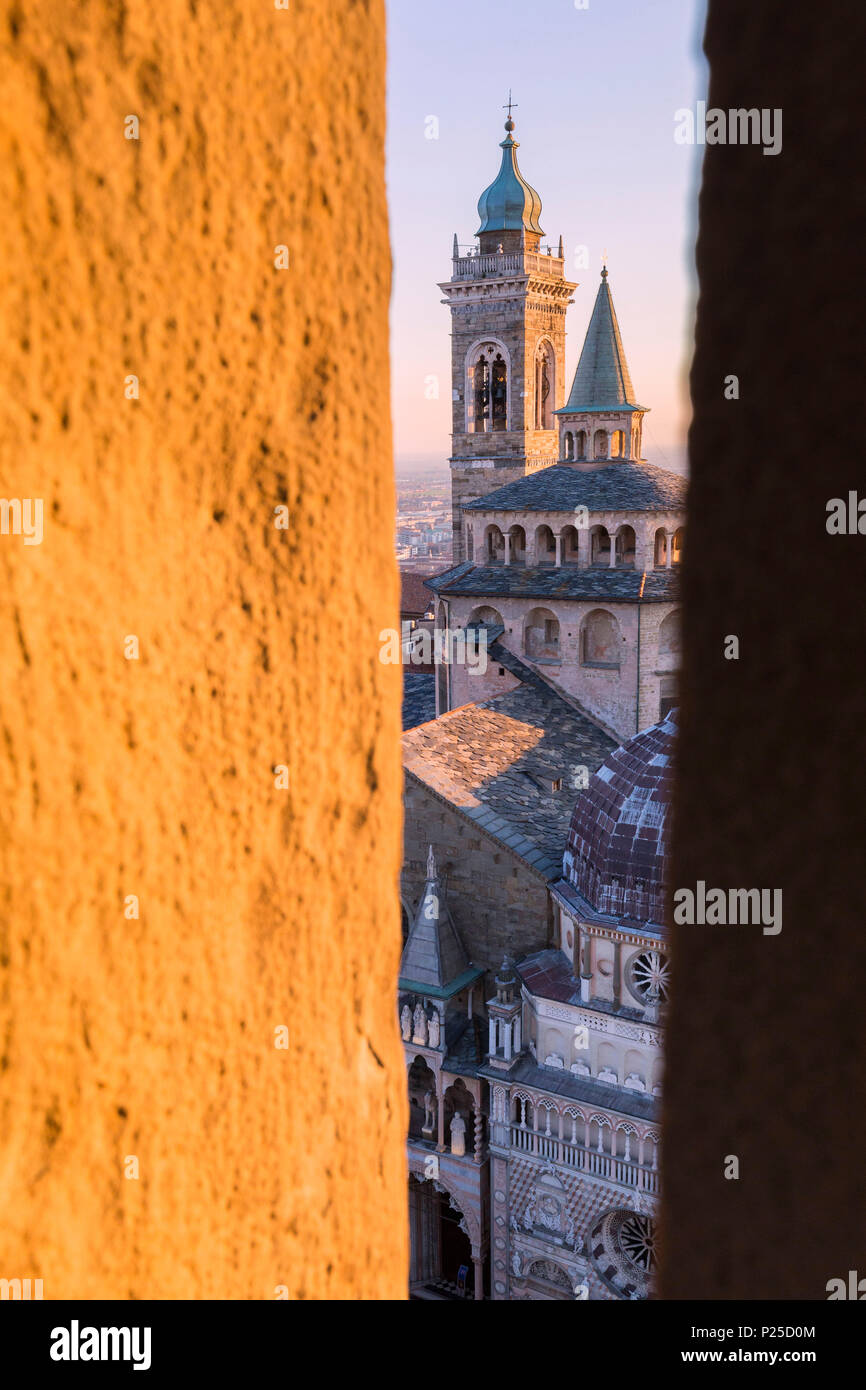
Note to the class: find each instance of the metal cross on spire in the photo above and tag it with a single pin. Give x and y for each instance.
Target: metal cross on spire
(509, 104)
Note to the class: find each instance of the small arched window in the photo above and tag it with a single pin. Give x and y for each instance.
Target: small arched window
(484, 614)
(670, 640)
(600, 445)
(617, 444)
(488, 386)
(600, 641)
(481, 394)
(625, 546)
(599, 546)
(494, 546)
(544, 389)
(545, 546)
(541, 635)
(580, 444)
(499, 393)
(569, 545)
(569, 445)
(517, 547)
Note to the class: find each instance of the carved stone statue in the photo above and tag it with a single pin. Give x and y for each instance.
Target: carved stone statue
(419, 1028)
(406, 1022)
(549, 1213)
(458, 1134)
(433, 1030)
(517, 1263)
(429, 1113)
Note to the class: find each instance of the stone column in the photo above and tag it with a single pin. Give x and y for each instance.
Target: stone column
(612, 558)
(584, 549)
(585, 967)
(492, 1040)
(508, 548)
(478, 1130)
(478, 1265)
(669, 549)
(440, 1115)
(506, 1028)
(558, 539)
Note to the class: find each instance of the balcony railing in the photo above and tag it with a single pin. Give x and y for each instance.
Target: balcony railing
(507, 263)
(642, 1176)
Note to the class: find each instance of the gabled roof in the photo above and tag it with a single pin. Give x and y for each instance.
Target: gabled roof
(616, 487)
(602, 380)
(497, 763)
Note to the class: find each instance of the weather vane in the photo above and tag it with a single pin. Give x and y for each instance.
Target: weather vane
(509, 103)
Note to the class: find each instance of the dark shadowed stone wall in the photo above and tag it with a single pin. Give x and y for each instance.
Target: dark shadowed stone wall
(766, 1048)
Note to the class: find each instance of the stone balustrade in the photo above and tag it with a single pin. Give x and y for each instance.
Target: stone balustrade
(573, 1153)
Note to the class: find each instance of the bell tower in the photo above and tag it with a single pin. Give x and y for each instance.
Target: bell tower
(508, 296)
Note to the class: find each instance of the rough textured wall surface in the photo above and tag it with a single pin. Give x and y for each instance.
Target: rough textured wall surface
(766, 1049)
(497, 901)
(259, 906)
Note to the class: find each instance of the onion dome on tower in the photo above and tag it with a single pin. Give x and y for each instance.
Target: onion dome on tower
(509, 204)
(618, 839)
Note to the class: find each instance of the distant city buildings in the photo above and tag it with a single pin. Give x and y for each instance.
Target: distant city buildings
(423, 536)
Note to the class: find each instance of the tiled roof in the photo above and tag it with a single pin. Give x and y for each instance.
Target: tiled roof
(565, 581)
(617, 841)
(615, 487)
(548, 974)
(419, 698)
(496, 762)
(415, 597)
(602, 380)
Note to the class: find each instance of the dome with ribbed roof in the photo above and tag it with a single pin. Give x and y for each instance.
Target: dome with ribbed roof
(618, 838)
(510, 202)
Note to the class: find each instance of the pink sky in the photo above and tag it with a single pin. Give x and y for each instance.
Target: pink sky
(596, 92)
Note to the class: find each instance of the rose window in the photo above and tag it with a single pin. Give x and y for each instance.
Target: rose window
(638, 1241)
(648, 976)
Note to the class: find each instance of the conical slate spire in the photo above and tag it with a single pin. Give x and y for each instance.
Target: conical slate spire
(510, 202)
(602, 380)
(433, 955)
